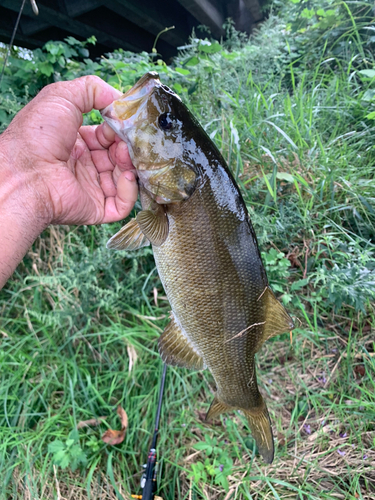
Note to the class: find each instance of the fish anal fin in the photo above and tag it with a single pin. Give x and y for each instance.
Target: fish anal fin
(276, 320)
(176, 350)
(154, 225)
(217, 408)
(130, 237)
(260, 426)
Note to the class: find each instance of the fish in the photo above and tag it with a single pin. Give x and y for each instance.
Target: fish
(205, 249)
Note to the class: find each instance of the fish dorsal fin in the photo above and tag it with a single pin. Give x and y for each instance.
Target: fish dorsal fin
(154, 225)
(217, 408)
(276, 320)
(176, 350)
(130, 237)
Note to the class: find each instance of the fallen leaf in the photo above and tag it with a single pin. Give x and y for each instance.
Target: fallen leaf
(123, 418)
(281, 439)
(93, 422)
(113, 437)
(116, 437)
(360, 370)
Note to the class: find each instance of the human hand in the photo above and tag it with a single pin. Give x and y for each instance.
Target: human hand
(79, 175)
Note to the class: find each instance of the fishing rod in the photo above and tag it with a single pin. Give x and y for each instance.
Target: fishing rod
(148, 480)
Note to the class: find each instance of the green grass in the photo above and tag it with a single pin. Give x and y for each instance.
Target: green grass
(75, 316)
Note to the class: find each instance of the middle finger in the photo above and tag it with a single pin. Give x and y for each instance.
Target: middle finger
(102, 160)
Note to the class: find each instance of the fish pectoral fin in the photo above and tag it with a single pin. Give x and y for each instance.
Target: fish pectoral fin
(277, 320)
(217, 408)
(176, 350)
(154, 225)
(130, 237)
(260, 426)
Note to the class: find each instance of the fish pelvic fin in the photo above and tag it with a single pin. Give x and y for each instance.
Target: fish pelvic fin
(260, 426)
(130, 237)
(217, 408)
(176, 350)
(154, 225)
(277, 320)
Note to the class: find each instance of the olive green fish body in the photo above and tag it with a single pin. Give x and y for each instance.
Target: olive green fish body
(212, 273)
(205, 250)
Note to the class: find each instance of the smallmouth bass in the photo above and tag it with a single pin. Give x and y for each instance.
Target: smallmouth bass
(205, 249)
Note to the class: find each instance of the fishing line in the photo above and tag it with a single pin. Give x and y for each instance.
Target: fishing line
(36, 12)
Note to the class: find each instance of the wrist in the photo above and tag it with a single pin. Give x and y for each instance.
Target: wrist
(24, 214)
(22, 187)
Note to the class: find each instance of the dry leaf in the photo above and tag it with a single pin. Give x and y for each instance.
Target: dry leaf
(281, 439)
(360, 370)
(133, 356)
(123, 418)
(116, 437)
(113, 437)
(93, 422)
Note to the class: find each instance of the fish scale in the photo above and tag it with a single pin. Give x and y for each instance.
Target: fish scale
(205, 250)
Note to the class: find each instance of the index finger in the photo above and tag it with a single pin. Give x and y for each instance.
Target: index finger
(97, 136)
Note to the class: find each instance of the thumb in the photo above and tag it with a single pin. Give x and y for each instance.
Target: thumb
(85, 93)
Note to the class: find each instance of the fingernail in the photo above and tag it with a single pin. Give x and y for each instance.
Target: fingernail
(129, 175)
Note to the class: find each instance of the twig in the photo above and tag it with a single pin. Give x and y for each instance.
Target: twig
(243, 331)
(307, 251)
(334, 369)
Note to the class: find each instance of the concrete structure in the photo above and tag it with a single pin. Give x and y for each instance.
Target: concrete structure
(130, 24)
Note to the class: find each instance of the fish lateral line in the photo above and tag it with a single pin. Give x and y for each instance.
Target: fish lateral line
(245, 330)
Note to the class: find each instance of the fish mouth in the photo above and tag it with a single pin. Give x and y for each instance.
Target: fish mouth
(124, 112)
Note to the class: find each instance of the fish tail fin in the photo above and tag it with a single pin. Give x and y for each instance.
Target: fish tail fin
(260, 425)
(217, 408)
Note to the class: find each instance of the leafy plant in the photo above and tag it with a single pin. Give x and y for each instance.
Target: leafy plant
(68, 453)
(218, 464)
(277, 267)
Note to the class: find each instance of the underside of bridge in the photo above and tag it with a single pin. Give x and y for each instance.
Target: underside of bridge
(129, 24)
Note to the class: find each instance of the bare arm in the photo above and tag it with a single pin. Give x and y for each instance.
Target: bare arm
(54, 171)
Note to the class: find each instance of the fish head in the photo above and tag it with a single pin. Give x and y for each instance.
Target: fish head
(152, 120)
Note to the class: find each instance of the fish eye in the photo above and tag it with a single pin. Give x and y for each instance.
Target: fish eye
(167, 121)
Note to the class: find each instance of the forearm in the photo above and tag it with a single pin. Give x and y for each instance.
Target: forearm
(23, 214)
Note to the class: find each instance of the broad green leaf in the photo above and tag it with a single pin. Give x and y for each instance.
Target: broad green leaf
(177, 88)
(369, 73)
(83, 52)
(284, 176)
(368, 95)
(192, 61)
(46, 68)
(61, 61)
(182, 71)
(56, 446)
(297, 285)
(209, 48)
(308, 13)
